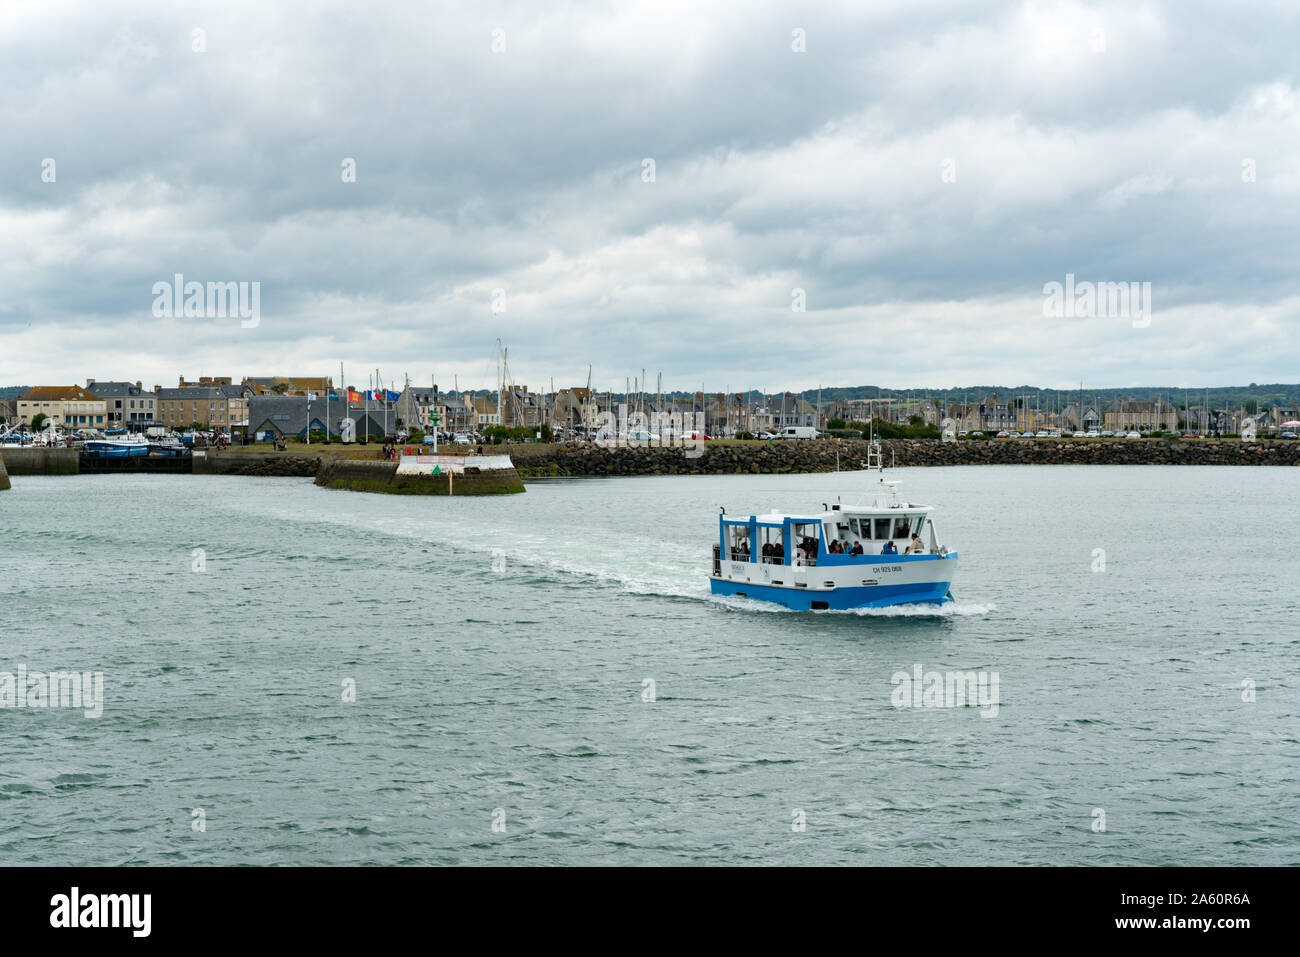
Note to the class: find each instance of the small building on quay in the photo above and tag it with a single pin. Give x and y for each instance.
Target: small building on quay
(273, 417)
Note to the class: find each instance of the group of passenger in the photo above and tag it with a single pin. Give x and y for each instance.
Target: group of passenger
(838, 548)
(773, 553)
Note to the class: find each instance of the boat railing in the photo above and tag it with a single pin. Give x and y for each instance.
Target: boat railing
(717, 559)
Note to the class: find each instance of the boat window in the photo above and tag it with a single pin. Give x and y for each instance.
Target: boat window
(854, 529)
(803, 542)
(738, 543)
(882, 529)
(770, 547)
(918, 525)
(900, 528)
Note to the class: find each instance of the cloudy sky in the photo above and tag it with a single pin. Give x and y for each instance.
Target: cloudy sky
(920, 170)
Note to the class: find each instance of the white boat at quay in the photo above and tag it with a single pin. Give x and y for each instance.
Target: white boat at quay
(845, 556)
(119, 443)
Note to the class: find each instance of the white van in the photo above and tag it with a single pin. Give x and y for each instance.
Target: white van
(798, 432)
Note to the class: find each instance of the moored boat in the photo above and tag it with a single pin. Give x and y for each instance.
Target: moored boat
(118, 443)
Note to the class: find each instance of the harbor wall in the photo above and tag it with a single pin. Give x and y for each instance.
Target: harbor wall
(362, 467)
(821, 455)
(4, 476)
(214, 462)
(359, 475)
(34, 461)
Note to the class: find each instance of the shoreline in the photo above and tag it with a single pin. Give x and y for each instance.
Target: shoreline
(723, 458)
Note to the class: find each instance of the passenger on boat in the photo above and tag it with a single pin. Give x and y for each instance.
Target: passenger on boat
(889, 548)
(857, 549)
(778, 552)
(835, 548)
(917, 547)
(767, 552)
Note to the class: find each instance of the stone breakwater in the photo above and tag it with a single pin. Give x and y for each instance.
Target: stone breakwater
(821, 455)
(360, 475)
(33, 461)
(4, 476)
(271, 464)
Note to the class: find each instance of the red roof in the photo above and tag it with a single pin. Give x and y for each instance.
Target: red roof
(58, 393)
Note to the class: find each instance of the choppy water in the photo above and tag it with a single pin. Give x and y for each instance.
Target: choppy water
(499, 649)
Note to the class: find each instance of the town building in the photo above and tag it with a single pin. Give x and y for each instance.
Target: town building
(289, 385)
(486, 411)
(127, 404)
(416, 403)
(280, 416)
(69, 406)
(575, 409)
(220, 407)
(1141, 415)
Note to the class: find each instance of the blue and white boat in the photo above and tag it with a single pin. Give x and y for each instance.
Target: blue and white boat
(118, 443)
(789, 558)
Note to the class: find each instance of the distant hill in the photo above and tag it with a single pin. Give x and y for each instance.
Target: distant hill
(12, 391)
(1220, 397)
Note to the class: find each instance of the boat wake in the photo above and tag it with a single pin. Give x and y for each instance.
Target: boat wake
(948, 610)
(953, 609)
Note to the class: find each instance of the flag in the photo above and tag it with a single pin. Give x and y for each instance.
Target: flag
(391, 395)
(311, 397)
(354, 396)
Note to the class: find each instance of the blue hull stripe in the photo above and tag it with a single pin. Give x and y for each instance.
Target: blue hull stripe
(861, 596)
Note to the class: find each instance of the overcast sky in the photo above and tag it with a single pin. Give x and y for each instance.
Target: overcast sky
(920, 170)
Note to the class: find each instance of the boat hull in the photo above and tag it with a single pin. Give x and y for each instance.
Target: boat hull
(115, 450)
(925, 582)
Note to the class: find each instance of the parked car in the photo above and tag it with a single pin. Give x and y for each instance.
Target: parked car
(766, 435)
(1093, 434)
(977, 434)
(1287, 435)
(798, 432)
(1107, 434)
(1132, 435)
(1003, 435)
